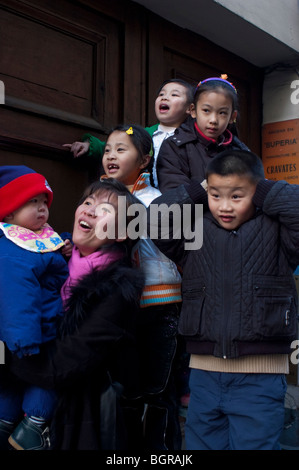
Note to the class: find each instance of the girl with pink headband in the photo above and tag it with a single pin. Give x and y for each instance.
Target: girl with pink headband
(208, 132)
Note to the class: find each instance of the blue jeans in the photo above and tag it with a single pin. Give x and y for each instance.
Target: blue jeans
(235, 411)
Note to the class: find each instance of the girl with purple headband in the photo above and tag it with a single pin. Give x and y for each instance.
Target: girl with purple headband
(208, 132)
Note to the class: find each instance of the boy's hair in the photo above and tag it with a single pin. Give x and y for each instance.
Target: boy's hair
(238, 162)
(215, 83)
(189, 88)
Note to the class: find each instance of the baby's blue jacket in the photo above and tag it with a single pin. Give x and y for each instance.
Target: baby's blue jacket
(30, 302)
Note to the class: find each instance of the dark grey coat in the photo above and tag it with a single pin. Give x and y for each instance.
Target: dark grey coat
(239, 294)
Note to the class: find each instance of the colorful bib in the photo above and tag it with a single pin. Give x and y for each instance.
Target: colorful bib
(41, 241)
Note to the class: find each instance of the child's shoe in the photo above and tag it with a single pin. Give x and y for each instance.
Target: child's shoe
(29, 436)
(5, 431)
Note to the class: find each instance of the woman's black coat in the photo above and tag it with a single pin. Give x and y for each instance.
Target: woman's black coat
(93, 362)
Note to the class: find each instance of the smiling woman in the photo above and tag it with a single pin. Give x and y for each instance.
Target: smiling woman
(93, 216)
(93, 364)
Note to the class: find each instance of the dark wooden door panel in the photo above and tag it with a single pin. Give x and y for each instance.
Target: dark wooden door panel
(76, 66)
(60, 68)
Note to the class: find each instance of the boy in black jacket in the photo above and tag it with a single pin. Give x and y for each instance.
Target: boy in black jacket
(239, 311)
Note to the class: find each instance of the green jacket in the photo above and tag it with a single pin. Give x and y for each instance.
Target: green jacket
(97, 146)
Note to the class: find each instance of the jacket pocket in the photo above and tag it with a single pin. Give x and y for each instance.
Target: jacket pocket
(190, 322)
(274, 308)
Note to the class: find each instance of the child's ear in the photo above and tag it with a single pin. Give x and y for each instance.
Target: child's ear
(145, 161)
(233, 117)
(189, 109)
(192, 110)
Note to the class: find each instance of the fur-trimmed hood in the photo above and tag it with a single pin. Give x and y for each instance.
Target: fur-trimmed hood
(118, 276)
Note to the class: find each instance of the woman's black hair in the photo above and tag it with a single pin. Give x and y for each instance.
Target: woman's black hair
(110, 185)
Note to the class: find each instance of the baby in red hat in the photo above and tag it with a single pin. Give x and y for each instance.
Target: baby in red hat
(32, 272)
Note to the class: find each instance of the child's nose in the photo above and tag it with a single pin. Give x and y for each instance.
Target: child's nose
(110, 156)
(225, 205)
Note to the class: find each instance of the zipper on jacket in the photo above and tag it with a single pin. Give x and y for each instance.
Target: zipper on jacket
(226, 289)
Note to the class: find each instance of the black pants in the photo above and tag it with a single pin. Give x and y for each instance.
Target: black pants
(153, 420)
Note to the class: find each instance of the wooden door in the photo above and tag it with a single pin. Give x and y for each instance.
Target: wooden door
(61, 64)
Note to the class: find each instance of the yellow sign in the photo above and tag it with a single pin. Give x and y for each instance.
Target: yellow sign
(280, 151)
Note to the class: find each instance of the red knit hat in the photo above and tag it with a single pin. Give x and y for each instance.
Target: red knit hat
(18, 184)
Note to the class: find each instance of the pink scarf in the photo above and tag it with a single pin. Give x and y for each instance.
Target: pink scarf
(80, 266)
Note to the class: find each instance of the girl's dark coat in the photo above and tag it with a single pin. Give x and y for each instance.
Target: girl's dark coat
(186, 154)
(94, 362)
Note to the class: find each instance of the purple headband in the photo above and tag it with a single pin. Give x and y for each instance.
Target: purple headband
(218, 79)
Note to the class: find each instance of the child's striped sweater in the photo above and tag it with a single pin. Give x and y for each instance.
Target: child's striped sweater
(162, 279)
